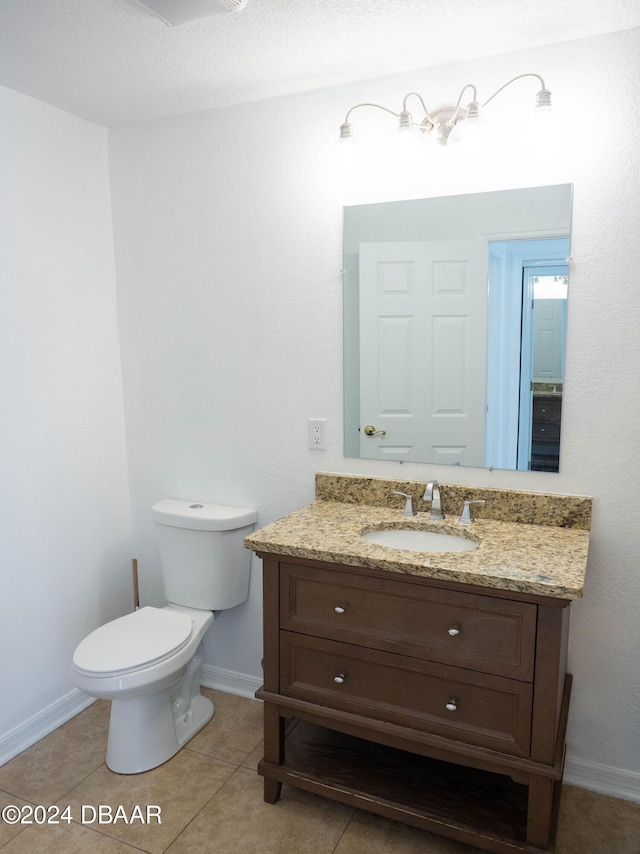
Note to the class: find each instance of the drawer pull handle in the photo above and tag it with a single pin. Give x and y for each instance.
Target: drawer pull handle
(339, 609)
(453, 631)
(451, 706)
(339, 678)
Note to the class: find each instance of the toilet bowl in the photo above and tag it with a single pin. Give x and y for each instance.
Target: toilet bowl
(148, 663)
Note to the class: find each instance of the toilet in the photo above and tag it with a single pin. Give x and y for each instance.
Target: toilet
(148, 662)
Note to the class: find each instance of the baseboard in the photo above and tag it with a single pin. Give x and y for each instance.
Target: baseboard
(25, 735)
(604, 779)
(43, 723)
(229, 681)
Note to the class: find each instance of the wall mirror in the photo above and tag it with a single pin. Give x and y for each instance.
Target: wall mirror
(454, 328)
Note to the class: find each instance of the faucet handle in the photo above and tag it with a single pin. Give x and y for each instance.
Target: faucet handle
(408, 504)
(465, 517)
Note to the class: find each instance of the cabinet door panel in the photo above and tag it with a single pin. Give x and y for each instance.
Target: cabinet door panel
(485, 633)
(477, 708)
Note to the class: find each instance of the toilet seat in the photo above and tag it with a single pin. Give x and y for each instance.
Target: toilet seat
(133, 642)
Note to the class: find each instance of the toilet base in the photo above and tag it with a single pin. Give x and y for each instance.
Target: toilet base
(164, 735)
(198, 716)
(146, 731)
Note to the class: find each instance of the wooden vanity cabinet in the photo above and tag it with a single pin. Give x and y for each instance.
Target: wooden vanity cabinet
(545, 432)
(438, 704)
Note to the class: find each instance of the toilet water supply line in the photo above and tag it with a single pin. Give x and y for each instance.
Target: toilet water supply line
(136, 592)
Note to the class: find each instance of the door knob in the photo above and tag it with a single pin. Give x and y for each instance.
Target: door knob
(370, 430)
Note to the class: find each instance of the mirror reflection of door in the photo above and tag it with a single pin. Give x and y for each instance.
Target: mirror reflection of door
(522, 218)
(525, 353)
(422, 319)
(542, 373)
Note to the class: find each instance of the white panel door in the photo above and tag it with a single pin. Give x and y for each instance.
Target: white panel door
(548, 339)
(423, 312)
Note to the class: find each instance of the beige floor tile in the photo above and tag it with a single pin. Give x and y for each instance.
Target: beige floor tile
(57, 763)
(64, 839)
(180, 787)
(371, 834)
(234, 731)
(238, 820)
(7, 829)
(99, 711)
(595, 824)
(251, 761)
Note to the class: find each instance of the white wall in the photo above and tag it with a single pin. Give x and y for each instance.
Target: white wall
(64, 506)
(228, 255)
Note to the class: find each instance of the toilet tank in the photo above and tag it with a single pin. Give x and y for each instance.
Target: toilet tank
(204, 562)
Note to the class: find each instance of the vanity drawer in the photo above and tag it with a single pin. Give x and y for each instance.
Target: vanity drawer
(476, 708)
(484, 633)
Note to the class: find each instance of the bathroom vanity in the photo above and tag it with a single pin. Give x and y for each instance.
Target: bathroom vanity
(428, 688)
(545, 431)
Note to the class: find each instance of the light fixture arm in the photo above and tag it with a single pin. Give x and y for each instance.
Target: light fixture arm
(458, 109)
(429, 120)
(543, 88)
(346, 128)
(365, 104)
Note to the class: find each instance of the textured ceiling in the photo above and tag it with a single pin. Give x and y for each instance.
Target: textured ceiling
(114, 61)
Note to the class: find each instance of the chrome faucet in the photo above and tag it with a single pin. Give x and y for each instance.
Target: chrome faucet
(432, 494)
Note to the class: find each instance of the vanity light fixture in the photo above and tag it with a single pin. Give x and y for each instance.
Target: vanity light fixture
(447, 125)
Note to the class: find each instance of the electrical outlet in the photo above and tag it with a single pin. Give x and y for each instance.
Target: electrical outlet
(317, 433)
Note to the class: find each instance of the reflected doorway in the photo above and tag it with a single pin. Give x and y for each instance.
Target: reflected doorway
(528, 284)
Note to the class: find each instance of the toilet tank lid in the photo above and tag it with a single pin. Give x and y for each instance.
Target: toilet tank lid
(198, 516)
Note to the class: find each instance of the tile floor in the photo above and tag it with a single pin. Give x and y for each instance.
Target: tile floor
(210, 799)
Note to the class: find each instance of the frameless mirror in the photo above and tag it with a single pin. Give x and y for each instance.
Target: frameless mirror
(454, 328)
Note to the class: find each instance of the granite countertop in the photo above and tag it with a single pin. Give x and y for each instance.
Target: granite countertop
(542, 560)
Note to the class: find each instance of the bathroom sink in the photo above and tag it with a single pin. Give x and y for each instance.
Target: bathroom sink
(420, 541)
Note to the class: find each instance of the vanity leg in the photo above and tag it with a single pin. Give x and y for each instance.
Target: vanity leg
(273, 749)
(272, 789)
(540, 812)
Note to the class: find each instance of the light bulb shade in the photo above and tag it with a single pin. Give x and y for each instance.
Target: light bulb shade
(406, 145)
(411, 135)
(348, 168)
(350, 151)
(540, 132)
(543, 119)
(470, 132)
